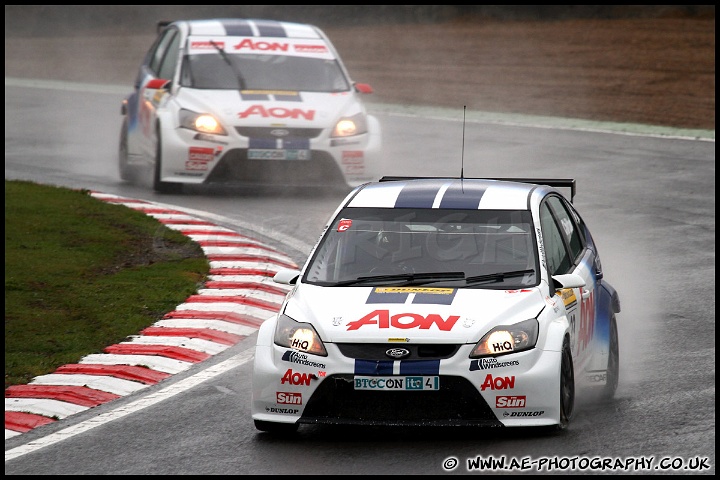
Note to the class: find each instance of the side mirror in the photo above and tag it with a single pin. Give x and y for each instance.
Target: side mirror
(286, 276)
(363, 88)
(568, 280)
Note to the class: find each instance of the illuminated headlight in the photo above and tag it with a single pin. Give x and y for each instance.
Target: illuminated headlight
(299, 336)
(201, 122)
(349, 126)
(507, 339)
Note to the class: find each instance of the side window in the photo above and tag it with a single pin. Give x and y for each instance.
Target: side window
(159, 51)
(568, 227)
(170, 58)
(557, 256)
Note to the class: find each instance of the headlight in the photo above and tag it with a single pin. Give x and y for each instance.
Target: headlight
(507, 339)
(201, 122)
(349, 126)
(299, 336)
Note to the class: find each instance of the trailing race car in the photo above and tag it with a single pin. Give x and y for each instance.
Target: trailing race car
(439, 301)
(254, 102)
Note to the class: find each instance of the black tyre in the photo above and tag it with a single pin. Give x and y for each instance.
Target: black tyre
(613, 367)
(273, 427)
(567, 386)
(127, 173)
(158, 185)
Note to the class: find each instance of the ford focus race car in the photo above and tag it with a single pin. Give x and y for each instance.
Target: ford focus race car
(254, 102)
(437, 301)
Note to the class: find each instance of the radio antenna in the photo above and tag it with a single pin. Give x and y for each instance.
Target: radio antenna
(462, 155)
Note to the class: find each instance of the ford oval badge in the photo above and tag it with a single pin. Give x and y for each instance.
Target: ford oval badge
(397, 353)
(279, 132)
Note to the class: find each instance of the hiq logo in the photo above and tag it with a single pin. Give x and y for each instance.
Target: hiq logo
(300, 344)
(502, 347)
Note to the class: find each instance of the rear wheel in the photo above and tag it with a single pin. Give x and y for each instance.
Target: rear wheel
(158, 185)
(567, 386)
(613, 366)
(127, 173)
(274, 427)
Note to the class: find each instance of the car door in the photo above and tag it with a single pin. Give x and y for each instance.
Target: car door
(567, 252)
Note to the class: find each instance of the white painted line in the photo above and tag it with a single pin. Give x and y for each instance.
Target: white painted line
(225, 307)
(248, 278)
(242, 292)
(120, 412)
(202, 228)
(197, 344)
(153, 362)
(170, 216)
(219, 325)
(43, 406)
(247, 264)
(105, 383)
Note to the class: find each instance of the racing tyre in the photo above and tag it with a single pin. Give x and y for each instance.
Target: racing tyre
(273, 427)
(613, 366)
(567, 386)
(126, 171)
(158, 185)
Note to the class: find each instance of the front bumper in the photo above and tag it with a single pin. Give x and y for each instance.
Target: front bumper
(190, 157)
(520, 389)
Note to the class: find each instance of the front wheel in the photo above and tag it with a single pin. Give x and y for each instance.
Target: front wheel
(127, 173)
(567, 386)
(613, 366)
(158, 185)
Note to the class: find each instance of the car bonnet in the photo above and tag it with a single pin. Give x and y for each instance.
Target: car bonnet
(271, 109)
(411, 314)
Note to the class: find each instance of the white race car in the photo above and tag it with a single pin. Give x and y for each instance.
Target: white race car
(439, 301)
(248, 102)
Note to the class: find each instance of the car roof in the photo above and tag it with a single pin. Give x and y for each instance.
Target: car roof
(244, 27)
(454, 193)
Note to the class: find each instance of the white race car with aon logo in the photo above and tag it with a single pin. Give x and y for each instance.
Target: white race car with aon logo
(442, 301)
(246, 102)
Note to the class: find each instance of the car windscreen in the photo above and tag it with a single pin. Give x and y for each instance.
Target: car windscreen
(226, 70)
(437, 247)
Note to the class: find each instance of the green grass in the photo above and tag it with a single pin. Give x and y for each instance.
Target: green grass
(82, 274)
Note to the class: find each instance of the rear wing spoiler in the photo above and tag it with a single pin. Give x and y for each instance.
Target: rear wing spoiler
(161, 24)
(551, 182)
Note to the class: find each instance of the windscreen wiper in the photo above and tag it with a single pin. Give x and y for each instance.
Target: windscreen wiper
(497, 277)
(406, 278)
(238, 75)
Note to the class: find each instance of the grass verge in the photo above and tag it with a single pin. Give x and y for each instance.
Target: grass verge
(82, 274)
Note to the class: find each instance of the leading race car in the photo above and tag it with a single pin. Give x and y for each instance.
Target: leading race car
(254, 102)
(439, 301)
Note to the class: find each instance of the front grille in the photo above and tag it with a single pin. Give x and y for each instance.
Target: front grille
(376, 351)
(456, 403)
(266, 132)
(235, 167)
